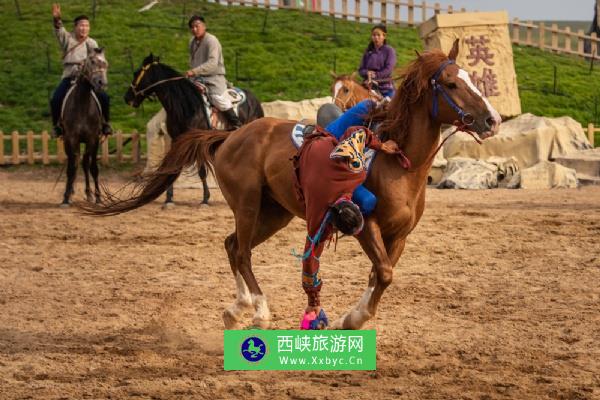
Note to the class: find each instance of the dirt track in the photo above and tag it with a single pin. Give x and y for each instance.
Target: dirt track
(497, 296)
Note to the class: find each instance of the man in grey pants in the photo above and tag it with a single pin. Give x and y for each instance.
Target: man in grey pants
(206, 62)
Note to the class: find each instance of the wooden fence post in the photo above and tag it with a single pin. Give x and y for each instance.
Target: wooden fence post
(135, 147)
(397, 12)
(515, 30)
(554, 36)
(580, 42)
(568, 39)
(15, 148)
(1, 148)
(383, 11)
(437, 9)
(542, 36)
(590, 132)
(423, 11)
(594, 48)
(529, 39)
(60, 151)
(357, 10)
(104, 157)
(411, 12)
(45, 156)
(30, 147)
(345, 9)
(370, 10)
(450, 9)
(119, 145)
(332, 8)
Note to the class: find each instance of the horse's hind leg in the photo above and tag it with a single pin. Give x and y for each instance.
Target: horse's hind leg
(202, 173)
(169, 200)
(72, 161)
(85, 163)
(272, 218)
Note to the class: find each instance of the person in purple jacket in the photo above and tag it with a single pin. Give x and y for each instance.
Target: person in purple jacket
(378, 62)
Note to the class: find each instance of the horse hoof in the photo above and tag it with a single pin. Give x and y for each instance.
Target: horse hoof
(230, 321)
(64, 205)
(168, 205)
(261, 323)
(204, 205)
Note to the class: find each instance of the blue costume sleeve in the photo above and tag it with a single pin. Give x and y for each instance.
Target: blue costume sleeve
(354, 116)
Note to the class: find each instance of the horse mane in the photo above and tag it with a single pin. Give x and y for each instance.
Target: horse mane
(182, 99)
(414, 85)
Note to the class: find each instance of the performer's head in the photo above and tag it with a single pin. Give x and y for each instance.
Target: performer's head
(346, 217)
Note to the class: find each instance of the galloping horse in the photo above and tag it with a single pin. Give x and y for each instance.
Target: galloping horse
(347, 91)
(81, 118)
(255, 174)
(185, 106)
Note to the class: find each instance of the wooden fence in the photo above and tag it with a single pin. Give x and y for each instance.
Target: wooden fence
(410, 12)
(30, 148)
(414, 12)
(591, 131)
(554, 39)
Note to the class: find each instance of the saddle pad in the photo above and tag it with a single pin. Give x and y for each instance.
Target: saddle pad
(297, 137)
(62, 106)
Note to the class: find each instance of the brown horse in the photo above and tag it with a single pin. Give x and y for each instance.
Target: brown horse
(347, 91)
(255, 174)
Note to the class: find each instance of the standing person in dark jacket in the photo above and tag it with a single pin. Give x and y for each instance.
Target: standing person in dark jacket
(378, 62)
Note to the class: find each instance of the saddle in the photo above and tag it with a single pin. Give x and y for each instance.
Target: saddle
(235, 94)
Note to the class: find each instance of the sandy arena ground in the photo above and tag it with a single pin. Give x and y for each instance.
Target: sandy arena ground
(497, 296)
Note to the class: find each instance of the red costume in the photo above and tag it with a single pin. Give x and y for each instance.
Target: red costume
(327, 170)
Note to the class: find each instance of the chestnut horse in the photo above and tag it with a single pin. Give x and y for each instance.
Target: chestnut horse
(255, 174)
(347, 91)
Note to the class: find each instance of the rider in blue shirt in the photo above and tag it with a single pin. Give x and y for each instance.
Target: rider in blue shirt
(356, 116)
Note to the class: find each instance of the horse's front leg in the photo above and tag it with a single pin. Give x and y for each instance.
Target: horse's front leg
(380, 277)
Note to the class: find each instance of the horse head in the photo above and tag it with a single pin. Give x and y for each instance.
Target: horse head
(140, 85)
(347, 91)
(453, 98)
(95, 69)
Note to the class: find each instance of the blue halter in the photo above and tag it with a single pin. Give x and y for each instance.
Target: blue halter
(466, 118)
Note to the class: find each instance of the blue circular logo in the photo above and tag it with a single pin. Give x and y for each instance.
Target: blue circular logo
(253, 349)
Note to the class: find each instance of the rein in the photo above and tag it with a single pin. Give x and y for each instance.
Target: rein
(145, 68)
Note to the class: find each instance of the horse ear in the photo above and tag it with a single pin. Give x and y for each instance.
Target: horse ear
(417, 53)
(99, 50)
(454, 51)
(333, 75)
(354, 75)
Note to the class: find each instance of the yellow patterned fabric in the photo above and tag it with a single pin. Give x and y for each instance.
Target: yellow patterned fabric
(352, 149)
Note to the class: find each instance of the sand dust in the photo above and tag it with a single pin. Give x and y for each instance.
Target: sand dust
(496, 296)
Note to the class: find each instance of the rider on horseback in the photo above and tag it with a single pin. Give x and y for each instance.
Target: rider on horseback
(327, 173)
(207, 66)
(378, 63)
(75, 46)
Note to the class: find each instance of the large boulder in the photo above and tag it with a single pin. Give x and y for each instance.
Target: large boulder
(528, 138)
(295, 110)
(466, 173)
(545, 175)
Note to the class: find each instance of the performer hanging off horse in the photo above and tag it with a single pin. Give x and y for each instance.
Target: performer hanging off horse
(328, 173)
(76, 47)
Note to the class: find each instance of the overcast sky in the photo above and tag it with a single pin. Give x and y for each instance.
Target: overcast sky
(562, 10)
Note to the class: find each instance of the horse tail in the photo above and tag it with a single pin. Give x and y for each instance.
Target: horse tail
(195, 147)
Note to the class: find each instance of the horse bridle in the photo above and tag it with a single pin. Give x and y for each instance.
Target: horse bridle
(466, 118)
(139, 78)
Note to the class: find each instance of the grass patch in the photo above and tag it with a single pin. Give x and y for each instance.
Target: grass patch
(276, 54)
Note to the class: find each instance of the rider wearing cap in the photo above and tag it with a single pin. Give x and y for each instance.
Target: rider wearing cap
(75, 46)
(207, 65)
